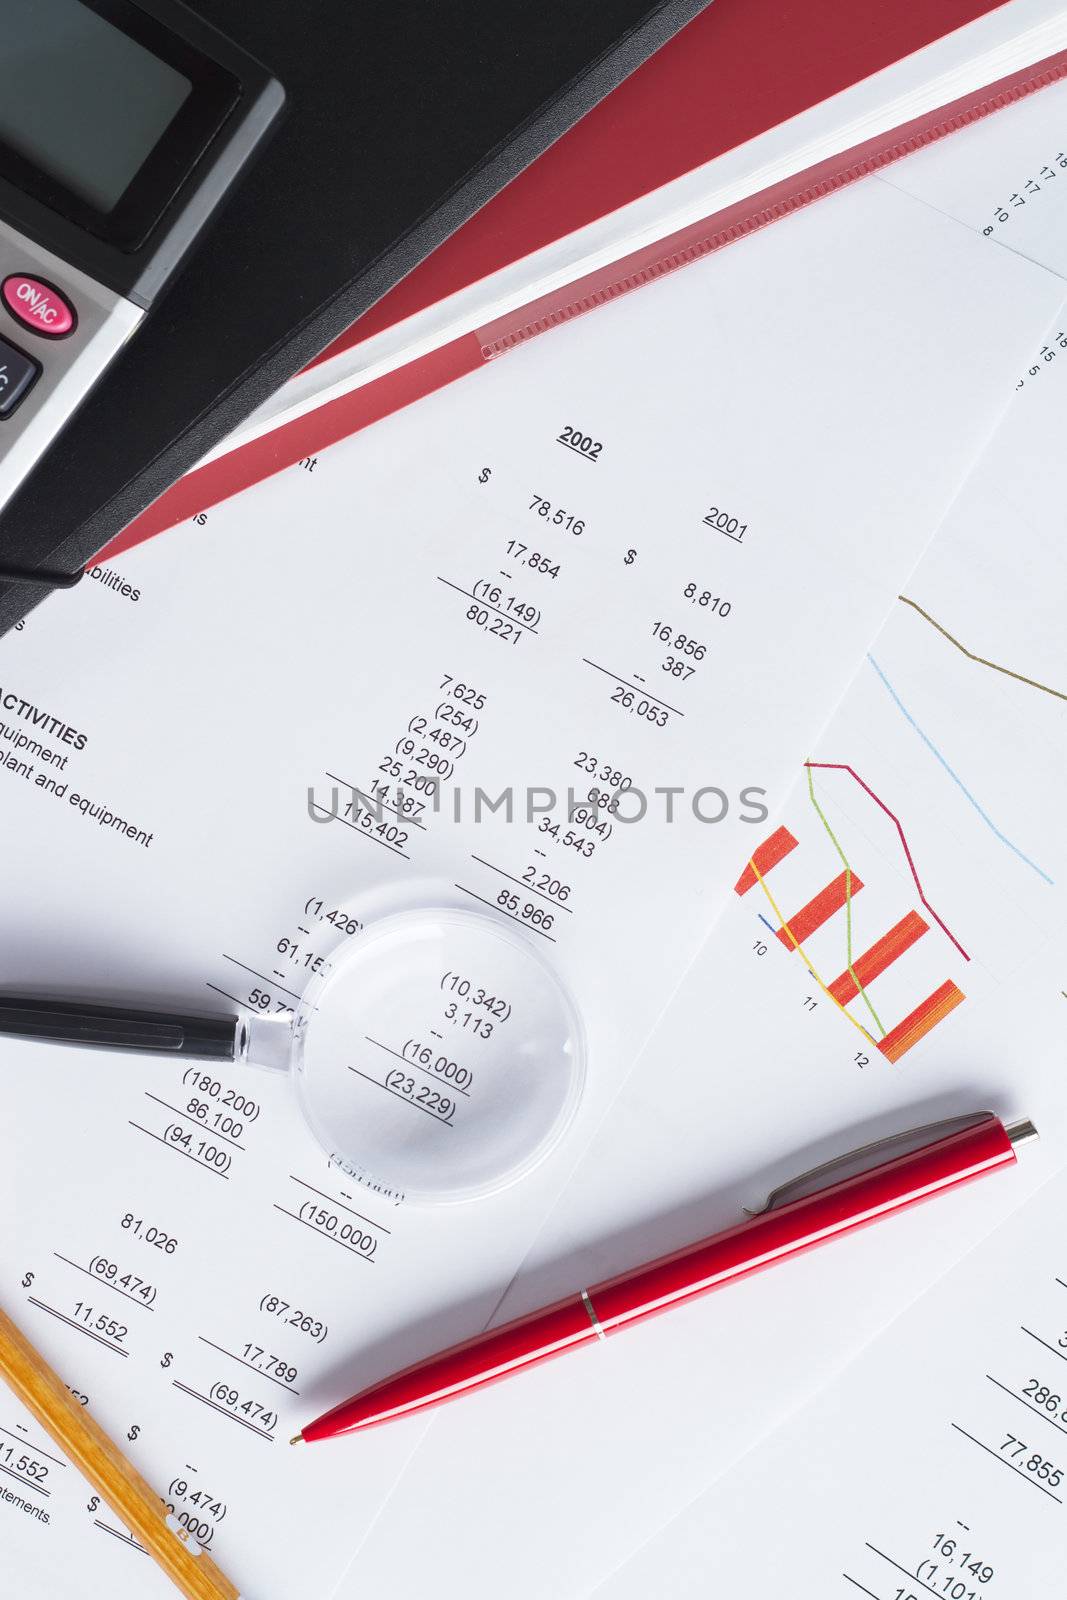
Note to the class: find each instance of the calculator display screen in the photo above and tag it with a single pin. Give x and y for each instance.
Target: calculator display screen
(107, 108)
(81, 99)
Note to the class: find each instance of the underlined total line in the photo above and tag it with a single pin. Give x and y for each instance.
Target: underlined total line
(394, 850)
(215, 1134)
(95, 1279)
(1025, 1476)
(27, 1444)
(433, 1077)
(376, 800)
(79, 1327)
(856, 1584)
(115, 1534)
(324, 1196)
(1034, 1410)
(529, 888)
(531, 928)
(324, 1235)
(505, 614)
(243, 1422)
(242, 1362)
(443, 1122)
(27, 1483)
(178, 1151)
(636, 687)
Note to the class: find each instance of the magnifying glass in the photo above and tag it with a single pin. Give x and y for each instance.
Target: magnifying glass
(437, 1056)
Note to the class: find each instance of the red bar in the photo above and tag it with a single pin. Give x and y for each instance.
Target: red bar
(899, 1040)
(819, 910)
(866, 967)
(768, 855)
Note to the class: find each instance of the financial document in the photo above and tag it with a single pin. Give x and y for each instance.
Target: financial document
(1003, 176)
(612, 584)
(936, 1465)
(894, 953)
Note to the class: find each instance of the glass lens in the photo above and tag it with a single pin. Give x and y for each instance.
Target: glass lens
(439, 1057)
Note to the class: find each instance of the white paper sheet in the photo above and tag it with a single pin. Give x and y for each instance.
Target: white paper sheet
(1003, 176)
(936, 1465)
(178, 1247)
(754, 1073)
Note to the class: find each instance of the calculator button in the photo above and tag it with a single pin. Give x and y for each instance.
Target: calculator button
(18, 374)
(38, 305)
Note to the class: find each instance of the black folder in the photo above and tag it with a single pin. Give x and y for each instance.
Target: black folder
(402, 117)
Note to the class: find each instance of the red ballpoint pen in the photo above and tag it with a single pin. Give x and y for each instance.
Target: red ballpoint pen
(781, 1230)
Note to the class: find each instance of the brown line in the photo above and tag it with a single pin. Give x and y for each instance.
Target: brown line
(981, 660)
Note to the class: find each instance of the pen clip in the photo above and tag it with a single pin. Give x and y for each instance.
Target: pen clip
(855, 1162)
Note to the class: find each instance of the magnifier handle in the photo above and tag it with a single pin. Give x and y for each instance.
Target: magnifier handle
(210, 1038)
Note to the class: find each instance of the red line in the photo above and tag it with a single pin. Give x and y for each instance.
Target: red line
(825, 905)
(768, 855)
(881, 955)
(842, 766)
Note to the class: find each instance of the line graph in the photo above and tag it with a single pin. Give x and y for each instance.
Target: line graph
(843, 766)
(850, 974)
(982, 661)
(957, 780)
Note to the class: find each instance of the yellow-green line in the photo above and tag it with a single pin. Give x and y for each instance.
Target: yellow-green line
(802, 953)
(848, 902)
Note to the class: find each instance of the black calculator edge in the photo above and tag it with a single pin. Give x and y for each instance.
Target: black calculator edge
(31, 536)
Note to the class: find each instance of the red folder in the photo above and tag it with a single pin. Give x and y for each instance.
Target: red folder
(738, 70)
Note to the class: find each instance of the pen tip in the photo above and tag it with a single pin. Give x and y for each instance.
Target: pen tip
(298, 1438)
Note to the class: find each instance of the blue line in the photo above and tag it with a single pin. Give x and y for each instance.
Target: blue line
(929, 743)
(766, 924)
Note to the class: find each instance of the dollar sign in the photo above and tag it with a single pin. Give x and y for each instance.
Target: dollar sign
(168, 1357)
(134, 1431)
(629, 558)
(485, 475)
(94, 1501)
(27, 1280)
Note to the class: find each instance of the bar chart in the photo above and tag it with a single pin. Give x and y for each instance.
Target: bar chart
(831, 905)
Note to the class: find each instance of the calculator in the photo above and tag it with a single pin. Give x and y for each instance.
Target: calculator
(296, 161)
(122, 128)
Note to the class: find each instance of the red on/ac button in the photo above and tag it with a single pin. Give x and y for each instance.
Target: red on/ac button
(39, 306)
